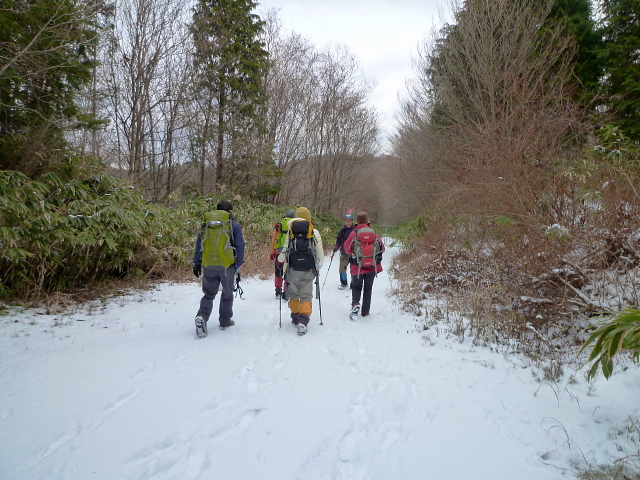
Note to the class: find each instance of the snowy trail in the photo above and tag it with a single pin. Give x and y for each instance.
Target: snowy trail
(126, 391)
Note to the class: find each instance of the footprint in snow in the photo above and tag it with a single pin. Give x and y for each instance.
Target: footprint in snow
(68, 434)
(145, 369)
(275, 350)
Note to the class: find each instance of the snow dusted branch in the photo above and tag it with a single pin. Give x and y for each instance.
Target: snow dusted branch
(583, 297)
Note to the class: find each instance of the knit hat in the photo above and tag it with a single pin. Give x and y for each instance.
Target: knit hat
(290, 213)
(362, 217)
(304, 212)
(349, 216)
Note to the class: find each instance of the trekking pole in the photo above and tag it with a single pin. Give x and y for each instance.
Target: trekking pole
(280, 302)
(318, 295)
(329, 268)
(284, 293)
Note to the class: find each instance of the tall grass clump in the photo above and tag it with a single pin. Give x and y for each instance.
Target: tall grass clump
(58, 234)
(65, 231)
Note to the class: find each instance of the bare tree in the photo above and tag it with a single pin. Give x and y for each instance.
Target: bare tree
(319, 124)
(147, 73)
(491, 108)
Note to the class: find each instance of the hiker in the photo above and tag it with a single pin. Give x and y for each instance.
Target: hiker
(343, 234)
(277, 243)
(365, 247)
(302, 256)
(220, 249)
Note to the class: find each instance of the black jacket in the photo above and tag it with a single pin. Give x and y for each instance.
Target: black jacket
(343, 234)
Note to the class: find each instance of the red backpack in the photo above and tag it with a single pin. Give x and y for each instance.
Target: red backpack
(367, 248)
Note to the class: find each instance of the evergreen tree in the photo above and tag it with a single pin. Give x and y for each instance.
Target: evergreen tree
(45, 58)
(233, 61)
(621, 61)
(580, 24)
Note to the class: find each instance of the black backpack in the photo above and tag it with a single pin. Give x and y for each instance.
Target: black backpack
(301, 255)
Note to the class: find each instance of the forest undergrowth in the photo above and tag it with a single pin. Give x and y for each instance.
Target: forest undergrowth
(67, 239)
(532, 274)
(538, 292)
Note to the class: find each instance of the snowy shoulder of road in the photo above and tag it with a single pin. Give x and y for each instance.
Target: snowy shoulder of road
(125, 390)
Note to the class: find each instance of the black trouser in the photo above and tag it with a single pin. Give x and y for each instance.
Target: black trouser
(213, 278)
(357, 283)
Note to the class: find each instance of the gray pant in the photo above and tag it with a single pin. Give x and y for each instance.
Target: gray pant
(300, 293)
(212, 279)
(300, 285)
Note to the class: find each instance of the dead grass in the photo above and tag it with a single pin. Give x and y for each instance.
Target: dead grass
(521, 289)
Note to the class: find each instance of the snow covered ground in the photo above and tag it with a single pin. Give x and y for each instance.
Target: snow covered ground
(125, 390)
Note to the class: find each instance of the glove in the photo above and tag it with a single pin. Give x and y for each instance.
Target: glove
(319, 266)
(197, 270)
(237, 274)
(272, 257)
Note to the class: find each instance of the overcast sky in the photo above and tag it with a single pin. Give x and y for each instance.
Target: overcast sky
(383, 34)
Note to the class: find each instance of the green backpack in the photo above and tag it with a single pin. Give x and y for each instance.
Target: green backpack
(217, 239)
(283, 231)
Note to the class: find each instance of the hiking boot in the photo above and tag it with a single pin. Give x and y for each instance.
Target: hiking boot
(354, 311)
(302, 329)
(201, 326)
(365, 314)
(231, 324)
(343, 286)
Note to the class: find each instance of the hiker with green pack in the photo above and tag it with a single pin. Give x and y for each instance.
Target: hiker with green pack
(220, 250)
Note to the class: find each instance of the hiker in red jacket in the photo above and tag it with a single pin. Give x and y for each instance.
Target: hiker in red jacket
(365, 247)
